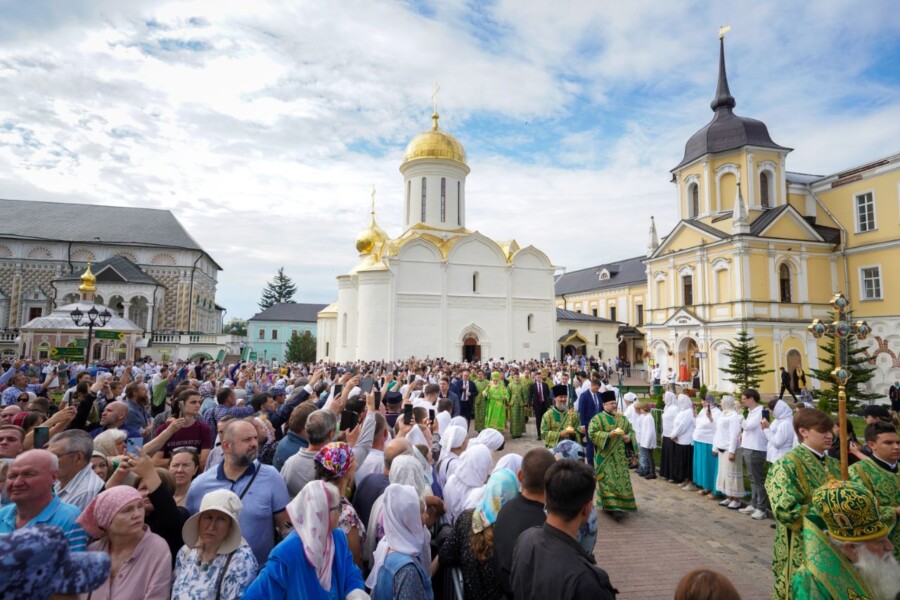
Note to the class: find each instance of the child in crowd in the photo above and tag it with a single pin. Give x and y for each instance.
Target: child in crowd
(645, 432)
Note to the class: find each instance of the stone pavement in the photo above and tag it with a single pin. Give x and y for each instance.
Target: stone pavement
(672, 533)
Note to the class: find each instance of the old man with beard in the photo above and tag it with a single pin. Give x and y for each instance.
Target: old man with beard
(846, 547)
(260, 488)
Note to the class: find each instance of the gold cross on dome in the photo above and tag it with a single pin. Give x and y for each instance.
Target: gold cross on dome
(723, 30)
(434, 95)
(373, 199)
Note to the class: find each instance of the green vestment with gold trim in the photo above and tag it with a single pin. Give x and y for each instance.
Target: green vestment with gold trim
(497, 397)
(825, 574)
(517, 401)
(554, 424)
(790, 484)
(885, 486)
(610, 466)
(480, 403)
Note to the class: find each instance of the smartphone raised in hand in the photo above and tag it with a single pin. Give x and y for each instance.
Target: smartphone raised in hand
(377, 394)
(407, 414)
(41, 436)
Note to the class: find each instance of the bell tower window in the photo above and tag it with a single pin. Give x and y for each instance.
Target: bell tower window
(424, 189)
(687, 288)
(764, 189)
(443, 199)
(784, 281)
(458, 204)
(694, 199)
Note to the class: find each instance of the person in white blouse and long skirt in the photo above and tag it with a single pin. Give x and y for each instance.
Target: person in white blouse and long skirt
(683, 436)
(705, 465)
(780, 432)
(667, 459)
(727, 446)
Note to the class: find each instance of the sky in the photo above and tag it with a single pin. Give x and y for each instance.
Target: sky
(264, 125)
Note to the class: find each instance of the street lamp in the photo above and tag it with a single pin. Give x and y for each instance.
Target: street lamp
(95, 318)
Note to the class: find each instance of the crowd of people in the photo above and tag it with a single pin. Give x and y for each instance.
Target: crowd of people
(388, 480)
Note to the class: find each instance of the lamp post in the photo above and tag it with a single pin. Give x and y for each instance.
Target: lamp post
(840, 329)
(95, 318)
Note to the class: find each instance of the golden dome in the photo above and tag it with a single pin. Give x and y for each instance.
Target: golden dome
(372, 235)
(88, 280)
(435, 144)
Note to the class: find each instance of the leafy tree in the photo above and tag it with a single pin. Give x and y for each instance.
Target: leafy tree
(236, 326)
(856, 359)
(746, 365)
(301, 347)
(281, 289)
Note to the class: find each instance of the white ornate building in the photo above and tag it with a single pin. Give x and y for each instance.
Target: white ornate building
(440, 289)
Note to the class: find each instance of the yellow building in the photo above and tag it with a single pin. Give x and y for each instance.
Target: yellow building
(760, 248)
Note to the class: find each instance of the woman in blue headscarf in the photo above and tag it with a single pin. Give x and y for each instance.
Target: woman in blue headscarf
(471, 544)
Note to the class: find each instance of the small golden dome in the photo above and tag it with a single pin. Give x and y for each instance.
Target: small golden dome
(88, 280)
(435, 144)
(372, 235)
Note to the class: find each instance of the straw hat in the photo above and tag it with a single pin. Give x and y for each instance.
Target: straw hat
(224, 501)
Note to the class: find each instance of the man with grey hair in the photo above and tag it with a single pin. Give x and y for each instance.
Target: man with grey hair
(29, 484)
(78, 484)
(300, 469)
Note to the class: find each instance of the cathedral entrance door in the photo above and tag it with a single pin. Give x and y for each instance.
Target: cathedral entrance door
(471, 349)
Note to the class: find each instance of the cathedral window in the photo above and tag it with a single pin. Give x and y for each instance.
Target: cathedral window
(530, 322)
(764, 189)
(612, 313)
(458, 204)
(475, 282)
(443, 199)
(687, 289)
(694, 196)
(784, 280)
(423, 200)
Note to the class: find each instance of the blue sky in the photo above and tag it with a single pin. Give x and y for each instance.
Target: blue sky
(264, 125)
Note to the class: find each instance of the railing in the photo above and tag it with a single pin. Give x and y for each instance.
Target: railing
(8, 337)
(221, 339)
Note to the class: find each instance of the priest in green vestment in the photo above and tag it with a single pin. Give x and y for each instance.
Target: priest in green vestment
(880, 475)
(518, 398)
(497, 399)
(481, 384)
(790, 484)
(610, 432)
(559, 423)
(847, 554)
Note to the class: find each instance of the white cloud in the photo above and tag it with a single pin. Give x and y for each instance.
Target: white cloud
(263, 125)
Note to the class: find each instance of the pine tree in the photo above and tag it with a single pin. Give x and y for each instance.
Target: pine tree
(301, 347)
(746, 365)
(856, 360)
(281, 289)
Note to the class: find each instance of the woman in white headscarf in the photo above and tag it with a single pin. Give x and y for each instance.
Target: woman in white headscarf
(474, 467)
(314, 561)
(405, 470)
(727, 445)
(491, 438)
(510, 462)
(461, 423)
(670, 411)
(400, 568)
(780, 433)
(683, 436)
(453, 443)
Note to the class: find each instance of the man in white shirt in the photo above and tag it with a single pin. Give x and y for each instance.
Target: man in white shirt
(374, 462)
(754, 444)
(77, 484)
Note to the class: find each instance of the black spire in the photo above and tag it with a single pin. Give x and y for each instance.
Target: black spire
(723, 98)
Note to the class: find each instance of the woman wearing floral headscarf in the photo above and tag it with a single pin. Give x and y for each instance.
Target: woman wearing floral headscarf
(471, 544)
(400, 569)
(141, 561)
(335, 464)
(313, 562)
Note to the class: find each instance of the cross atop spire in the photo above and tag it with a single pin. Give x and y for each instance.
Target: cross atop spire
(373, 200)
(434, 95)
(723, 99)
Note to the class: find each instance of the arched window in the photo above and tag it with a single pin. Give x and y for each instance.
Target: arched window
(694, 195)
(764, 189)
(443, 199)
(458, 204)
(408, 199)
(475, 282)
(784, 282)
(423, 200)
(687, 289)
(530, 322)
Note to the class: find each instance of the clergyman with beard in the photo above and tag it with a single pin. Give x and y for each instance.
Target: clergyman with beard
(847, 550)
(261, 489)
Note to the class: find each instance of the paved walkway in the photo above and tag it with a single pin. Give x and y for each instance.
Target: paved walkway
(672, 533)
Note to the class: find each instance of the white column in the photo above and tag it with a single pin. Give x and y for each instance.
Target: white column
(706, 187)
(783, 180)
(678, 196)
(751, 177)
(773, 277)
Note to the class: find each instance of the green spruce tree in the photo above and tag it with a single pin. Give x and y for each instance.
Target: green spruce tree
(856, 359)
(281, 289)
(746, 366)
(301, 347)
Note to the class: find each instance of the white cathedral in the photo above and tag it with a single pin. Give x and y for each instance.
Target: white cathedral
(440, 289)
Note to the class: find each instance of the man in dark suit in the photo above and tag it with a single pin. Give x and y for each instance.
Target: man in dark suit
(540, 400)
(589, 404)
(446, 393)
(786, 385)
(466, 391)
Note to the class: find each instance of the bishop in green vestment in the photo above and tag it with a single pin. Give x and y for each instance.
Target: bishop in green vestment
(880, 475)
(847, 512)
(517, 402)
(610, 432)
(559, 423)
(497, 397)
(790, 484)
(481, 384)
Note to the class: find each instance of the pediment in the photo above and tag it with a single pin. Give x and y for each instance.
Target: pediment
(689, 234)
(788, 225)
(683, 318)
